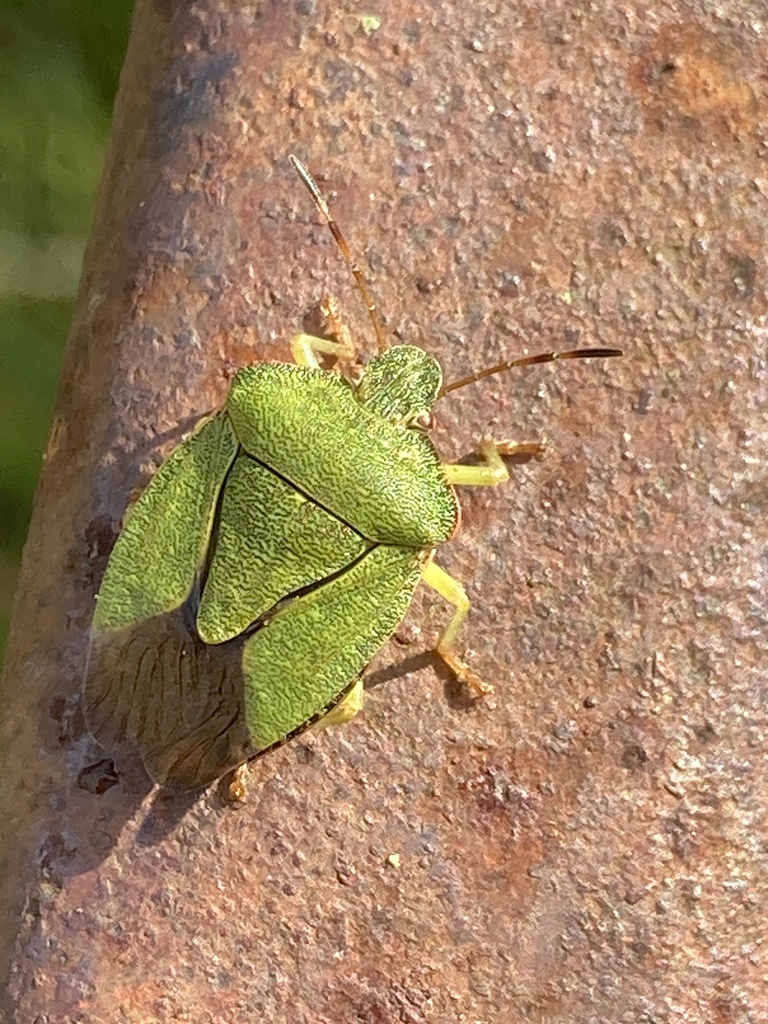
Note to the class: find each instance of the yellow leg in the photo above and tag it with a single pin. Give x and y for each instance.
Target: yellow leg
(234, 785)
(305, 346)
(345, 710)
(233, 788)
(453, 592)
(493, 471)
(490, 473)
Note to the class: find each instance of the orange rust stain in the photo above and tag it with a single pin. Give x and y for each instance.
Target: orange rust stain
(689, 74)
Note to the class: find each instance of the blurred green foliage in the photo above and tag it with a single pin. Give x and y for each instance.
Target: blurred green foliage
(59, 65)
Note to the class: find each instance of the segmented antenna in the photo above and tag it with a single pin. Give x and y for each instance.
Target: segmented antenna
(320, 202)
(542, 357)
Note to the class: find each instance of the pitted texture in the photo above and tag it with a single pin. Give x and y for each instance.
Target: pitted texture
(401, 384)
(271, 541)
(382, 479)
(293, 665)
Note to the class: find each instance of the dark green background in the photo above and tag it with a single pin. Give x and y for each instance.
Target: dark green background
(59, 66)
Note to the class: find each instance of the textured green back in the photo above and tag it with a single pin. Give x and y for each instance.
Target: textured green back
(400, 384)
(309, 654)
(270, 542)
(320, 535)
(381, 478)
(156, 558)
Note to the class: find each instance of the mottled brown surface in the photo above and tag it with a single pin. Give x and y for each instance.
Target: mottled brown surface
(589, 844)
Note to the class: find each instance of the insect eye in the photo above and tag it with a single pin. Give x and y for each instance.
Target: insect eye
(424, 421)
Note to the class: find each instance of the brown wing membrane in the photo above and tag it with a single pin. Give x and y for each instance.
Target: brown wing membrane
(157, 687)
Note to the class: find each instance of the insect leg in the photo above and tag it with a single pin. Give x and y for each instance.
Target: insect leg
(453, 592)
(233, 788)
(305, 346)
(346, 709)
(492, 471)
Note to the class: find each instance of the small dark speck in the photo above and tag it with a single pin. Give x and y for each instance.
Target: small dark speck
(705, 732)
(98, 778)
(633, 896)
(401, 132)
(55, 853)
(633, 756)
(412, 31)
(304, 754)
(612, 234)
(345, 873)
(425, 286)
(590, 701)
(743, 275)
(509, 284)
(188, 339)
(564, 731)
(644, 400)
(58, 707)
(543, 161)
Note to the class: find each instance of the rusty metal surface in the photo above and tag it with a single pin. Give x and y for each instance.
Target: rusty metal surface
(589, 844)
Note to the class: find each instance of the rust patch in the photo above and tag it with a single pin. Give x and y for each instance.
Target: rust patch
(692, 78)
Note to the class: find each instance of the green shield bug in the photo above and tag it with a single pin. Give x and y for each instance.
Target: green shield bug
(277, 548)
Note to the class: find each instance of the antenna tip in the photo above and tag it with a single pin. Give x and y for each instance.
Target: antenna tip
(590, 353)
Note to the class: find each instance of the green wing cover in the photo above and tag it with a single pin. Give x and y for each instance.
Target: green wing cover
(381, 478)
(310, 652)
(271, 541)
(155, 560)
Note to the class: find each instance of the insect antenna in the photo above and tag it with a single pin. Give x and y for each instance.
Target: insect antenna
(322, 205)
(542, 357)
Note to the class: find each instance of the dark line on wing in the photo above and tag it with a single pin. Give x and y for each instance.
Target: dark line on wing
(302, 591)
(190, 606)
(201, 577)
(305, 494)
(318, 716)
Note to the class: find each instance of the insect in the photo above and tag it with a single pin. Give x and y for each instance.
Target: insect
(277, 548)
